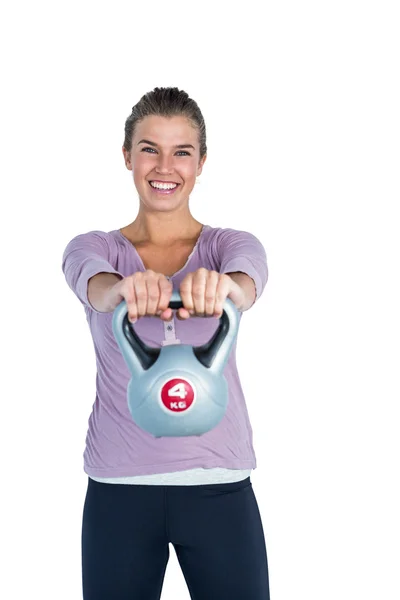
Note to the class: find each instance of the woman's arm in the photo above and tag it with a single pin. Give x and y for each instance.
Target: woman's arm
(248, 286)
(98, 286)
(242, 256)
(87, 264)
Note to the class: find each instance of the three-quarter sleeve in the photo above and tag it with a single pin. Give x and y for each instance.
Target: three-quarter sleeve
(243, 251)
(86, 255)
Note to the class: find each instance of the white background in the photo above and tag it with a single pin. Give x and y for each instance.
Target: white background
(301, 102)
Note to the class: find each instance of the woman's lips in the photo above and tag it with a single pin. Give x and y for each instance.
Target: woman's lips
(164, 191)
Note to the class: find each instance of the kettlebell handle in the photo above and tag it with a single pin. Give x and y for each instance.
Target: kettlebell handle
(176, 302)
(206, 354)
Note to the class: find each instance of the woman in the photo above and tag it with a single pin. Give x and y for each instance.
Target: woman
(145, 492)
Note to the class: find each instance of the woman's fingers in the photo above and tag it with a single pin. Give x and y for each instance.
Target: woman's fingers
(210, 293)
(203, 293)
(141, 293)
(147, 293)
(165, 287)
(221, 294)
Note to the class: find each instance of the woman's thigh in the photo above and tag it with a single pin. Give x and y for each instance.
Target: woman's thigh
(219, 540)
(124, 545)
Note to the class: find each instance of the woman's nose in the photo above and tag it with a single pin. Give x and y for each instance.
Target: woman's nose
(164, 164)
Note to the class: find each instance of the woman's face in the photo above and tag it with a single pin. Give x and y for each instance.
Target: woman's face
(156, 157)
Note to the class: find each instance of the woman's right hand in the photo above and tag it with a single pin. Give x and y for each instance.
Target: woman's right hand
(145, 292)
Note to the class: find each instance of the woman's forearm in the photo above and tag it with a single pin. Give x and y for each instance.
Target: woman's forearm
(248, 286)
(98, 286)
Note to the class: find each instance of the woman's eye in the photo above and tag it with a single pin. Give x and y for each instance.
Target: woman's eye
(179, 152)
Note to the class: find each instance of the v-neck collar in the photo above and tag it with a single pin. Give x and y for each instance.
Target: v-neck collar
(119, 232)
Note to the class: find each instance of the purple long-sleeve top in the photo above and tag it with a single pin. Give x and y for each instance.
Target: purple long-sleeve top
(115, 445)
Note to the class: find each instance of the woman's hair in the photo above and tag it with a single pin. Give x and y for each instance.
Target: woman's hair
(166, 102)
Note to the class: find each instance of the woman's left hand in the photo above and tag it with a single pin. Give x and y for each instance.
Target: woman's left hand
(204, 292)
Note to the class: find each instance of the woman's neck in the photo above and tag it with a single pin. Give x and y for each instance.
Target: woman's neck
(161, 232)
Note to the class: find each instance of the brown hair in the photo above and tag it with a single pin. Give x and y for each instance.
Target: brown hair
(166, 102)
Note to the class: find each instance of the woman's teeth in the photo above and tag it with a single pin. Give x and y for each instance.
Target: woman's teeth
(163, 186)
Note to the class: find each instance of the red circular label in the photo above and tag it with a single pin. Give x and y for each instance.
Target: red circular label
(177, 394)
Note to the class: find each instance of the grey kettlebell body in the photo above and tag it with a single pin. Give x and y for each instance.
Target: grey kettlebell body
(177, 390)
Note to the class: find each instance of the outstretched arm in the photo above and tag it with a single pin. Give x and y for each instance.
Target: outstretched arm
(248, 286)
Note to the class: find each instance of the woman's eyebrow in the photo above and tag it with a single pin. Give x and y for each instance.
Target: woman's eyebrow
(177, 146)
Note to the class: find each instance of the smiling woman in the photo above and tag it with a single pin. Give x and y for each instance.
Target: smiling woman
(163, 153)
(144, 492)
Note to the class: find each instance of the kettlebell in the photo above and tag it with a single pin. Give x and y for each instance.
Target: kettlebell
(177, 390)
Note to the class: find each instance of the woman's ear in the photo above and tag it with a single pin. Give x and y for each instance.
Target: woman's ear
(201, 163)
(127, 158)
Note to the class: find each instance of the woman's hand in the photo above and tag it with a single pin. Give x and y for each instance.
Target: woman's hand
(146, 294)
(204, 292)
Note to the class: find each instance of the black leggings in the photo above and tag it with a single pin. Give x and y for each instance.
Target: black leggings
(216, 531)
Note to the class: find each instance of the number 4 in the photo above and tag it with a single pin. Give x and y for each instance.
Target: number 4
(178, 390)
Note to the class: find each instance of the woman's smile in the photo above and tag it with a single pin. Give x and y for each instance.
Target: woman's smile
(160, 187)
